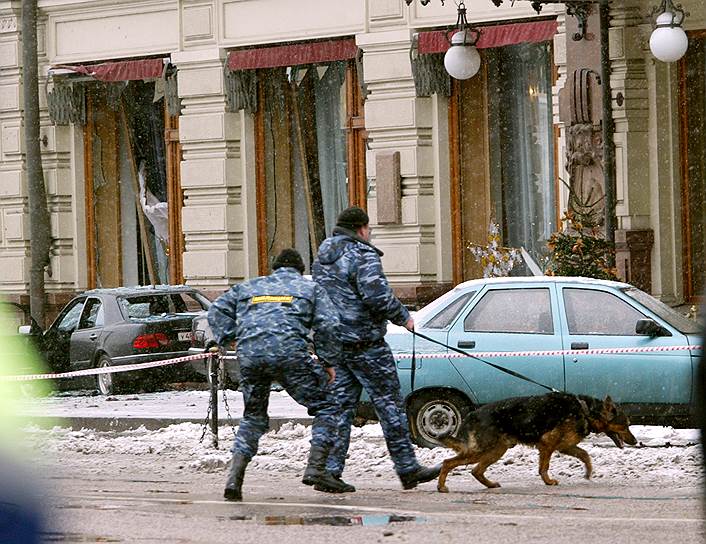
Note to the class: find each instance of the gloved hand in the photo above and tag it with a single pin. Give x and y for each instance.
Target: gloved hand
(220, 350)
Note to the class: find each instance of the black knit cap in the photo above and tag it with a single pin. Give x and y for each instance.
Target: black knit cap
(289, 258)
(352, 218)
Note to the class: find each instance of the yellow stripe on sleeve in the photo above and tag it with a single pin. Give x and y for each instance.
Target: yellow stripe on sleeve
(283, 299)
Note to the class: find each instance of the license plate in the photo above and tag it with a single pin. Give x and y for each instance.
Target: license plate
(184, 336)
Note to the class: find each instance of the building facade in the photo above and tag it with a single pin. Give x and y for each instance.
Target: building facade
(191, 140)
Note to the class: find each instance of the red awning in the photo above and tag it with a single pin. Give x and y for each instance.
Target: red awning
(292, 55)
(126, 70)
(492, 36)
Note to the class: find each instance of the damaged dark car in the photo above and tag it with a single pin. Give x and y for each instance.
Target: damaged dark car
(121, 326)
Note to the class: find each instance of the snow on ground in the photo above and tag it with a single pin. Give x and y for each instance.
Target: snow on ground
(666, 455)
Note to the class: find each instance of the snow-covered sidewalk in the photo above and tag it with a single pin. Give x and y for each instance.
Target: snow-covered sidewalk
(664, 455)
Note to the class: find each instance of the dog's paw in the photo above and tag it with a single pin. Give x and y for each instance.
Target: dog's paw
(493, 485)
(551, 481)
(442, 489)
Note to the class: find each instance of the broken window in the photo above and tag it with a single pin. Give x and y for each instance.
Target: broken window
(503, 150)
(305, 149)
(129, 181)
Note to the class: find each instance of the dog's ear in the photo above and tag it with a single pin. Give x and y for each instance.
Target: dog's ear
(608, 408)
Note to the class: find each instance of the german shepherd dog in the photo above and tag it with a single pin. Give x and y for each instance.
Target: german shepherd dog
(551, 422)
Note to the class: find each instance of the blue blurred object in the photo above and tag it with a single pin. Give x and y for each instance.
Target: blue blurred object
(21, 513)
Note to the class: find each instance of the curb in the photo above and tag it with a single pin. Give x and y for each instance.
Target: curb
(119, 424)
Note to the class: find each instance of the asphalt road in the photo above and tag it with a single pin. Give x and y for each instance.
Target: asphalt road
(122, 498)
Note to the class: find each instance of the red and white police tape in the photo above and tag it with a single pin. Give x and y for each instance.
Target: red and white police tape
(428, 355)
(544, 353)
(103, 370)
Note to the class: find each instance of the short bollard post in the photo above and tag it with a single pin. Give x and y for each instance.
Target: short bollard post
(213, 371)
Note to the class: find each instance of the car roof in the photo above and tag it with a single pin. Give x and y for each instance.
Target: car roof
(141, 290)
(540, 279)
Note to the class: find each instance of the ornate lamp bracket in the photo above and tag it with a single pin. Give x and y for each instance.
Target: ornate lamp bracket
(581, 11)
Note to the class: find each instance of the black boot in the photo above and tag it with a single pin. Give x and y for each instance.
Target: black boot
(347, 488)
(410, 480)
(234, 483)
(316, 475)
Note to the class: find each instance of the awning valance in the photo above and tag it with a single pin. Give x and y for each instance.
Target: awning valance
(126, 70)
(292, 55)
(493, 36)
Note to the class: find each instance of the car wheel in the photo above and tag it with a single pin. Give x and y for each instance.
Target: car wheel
(104, 382)
(434, 414)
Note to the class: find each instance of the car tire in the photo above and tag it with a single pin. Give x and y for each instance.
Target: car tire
(434, 413)
(105, 382)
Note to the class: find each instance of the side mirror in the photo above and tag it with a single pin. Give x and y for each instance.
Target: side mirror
(650, 327)
(25, 329)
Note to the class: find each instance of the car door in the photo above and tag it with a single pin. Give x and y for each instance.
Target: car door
(87, 334)
(432, 367)
(603, 317)
(57, 339)
(511, 317)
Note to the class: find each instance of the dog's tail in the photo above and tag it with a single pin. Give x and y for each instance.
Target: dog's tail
(448, 440)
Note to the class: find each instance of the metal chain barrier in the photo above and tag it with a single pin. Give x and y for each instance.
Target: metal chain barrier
(229, 418)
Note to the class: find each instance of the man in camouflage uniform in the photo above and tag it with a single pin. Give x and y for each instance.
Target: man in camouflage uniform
(348, 266)
(270, 318)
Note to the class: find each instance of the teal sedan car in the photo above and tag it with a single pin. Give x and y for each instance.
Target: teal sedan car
(578, 335)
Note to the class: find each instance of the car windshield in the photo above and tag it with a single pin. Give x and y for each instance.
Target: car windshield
(438, 305)
(157, 304)
(675, 319)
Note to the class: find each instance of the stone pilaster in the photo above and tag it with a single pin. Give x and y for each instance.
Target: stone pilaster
(65, 196)
(559, 84)
(14, 222)
(630, 114)
(417, 252)
(646, 114)
(219, 228)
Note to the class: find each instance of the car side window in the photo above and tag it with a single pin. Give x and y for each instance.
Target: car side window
(446, 316)
(69, 322)
(526, 311)
(589, 311)
(92, 315)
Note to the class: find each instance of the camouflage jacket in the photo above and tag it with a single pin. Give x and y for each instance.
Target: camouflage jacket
(272, 316)
(350, 270)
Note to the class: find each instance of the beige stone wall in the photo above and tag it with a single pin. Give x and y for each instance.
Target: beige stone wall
(14, 223)
(648, 175)
(218, 168)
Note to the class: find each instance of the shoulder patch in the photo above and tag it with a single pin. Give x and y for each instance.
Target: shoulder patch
(282, 299)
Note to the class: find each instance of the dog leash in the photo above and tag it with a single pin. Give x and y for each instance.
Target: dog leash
(498, 367)
(413, 371)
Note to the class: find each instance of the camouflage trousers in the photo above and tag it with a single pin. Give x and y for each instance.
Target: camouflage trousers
(374, 369)
(303, 379)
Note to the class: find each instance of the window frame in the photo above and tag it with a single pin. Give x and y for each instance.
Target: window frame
(546, 288)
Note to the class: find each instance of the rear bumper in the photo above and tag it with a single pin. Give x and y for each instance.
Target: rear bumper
(147, 358)
(182, 371)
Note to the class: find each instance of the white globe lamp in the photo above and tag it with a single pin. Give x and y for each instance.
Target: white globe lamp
(668, 41)
(462, 60)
